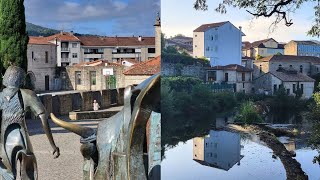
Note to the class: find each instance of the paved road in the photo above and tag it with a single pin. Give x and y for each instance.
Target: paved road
(69, 165)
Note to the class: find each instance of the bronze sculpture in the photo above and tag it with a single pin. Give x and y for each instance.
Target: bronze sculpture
(15, 142)
(116, 150)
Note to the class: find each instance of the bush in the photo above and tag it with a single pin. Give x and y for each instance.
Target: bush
(248, 113)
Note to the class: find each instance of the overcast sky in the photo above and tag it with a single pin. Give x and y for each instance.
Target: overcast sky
(178, 17)
(103, 17)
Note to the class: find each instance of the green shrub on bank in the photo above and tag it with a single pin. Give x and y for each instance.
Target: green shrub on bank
(248, 113)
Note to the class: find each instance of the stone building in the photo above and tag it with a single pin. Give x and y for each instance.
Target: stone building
(307, 65)
(302, 48)
(140, 72)
(42, 61)
(92, 76)
(239, 76)
(265, 47)
(221, 43)
(289, 79)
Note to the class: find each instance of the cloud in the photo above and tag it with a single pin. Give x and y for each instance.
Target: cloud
(142, 12)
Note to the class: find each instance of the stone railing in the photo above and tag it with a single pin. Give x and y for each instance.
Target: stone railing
(62, 104)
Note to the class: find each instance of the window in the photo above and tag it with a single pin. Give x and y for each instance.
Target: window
(32, 55)
(151, 50)
(301, 88)
(208, 48)
(93, 77)
(288, 91)
(294, 87)
(243, 76)
(78, 77)
(195, 35)
(260, 69)
(226, 77)
(212, 76)
(280, 66)
(195, 45)
(47, 56)
(301, 68)
(211, 38)
(74, 45)
(74, 55)
(290, 66)
(274, 88)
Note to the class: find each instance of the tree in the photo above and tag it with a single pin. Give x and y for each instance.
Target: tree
(267, 8)
(13, 35)
(259, 57)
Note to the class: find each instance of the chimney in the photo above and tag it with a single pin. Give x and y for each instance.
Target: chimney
(240, 27)
(61, 32)
(140, 38)
(71, 32)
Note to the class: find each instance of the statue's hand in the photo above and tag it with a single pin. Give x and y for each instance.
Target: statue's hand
(56, 153)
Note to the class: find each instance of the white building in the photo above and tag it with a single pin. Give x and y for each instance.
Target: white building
(264, 48)
(220, 149)
(68, 48)
(221, 43)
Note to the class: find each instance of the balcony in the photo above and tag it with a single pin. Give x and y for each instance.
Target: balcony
(98, 56)
(65, 60)
(65, 49)
(127, 55)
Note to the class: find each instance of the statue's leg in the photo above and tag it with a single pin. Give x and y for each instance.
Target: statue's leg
(13, 144)
(28, 167)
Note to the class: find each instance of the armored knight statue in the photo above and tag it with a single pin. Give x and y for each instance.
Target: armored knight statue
(15, 142)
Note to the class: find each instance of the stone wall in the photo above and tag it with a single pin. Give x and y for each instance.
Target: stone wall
(168, 69)
(62, 104)
(86, 83)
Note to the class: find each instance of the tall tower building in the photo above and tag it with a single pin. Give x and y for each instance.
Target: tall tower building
(157, 26)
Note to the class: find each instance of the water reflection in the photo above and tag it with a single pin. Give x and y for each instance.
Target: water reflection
(219, 149)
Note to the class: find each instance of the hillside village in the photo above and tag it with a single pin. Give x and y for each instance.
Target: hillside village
(261, 67)
(69, 61)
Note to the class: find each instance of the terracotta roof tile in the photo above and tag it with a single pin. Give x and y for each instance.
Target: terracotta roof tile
(39, 40)
(312, 59)
(116, 41)
(149, 67)
(292, 77)
(63, 36)
(205, 27)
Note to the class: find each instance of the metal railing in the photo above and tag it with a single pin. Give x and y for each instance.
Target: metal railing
(65, 49)
(65, 60)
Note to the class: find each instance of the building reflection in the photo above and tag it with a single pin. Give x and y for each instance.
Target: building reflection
(219, 149)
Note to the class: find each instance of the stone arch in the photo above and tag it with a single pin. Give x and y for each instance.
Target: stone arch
(30, 80)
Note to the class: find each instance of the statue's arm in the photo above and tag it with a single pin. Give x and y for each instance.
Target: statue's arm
(38, 109)
(47, 130)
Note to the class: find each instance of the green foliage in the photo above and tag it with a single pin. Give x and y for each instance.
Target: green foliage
(35, 30)
(278, 53)
(203, 58)
(259, 57)
(248, 113)
(171, 50)
(13, 36)
(177, 58)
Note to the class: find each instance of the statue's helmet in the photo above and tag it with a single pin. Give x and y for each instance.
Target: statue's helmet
(14, 77)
